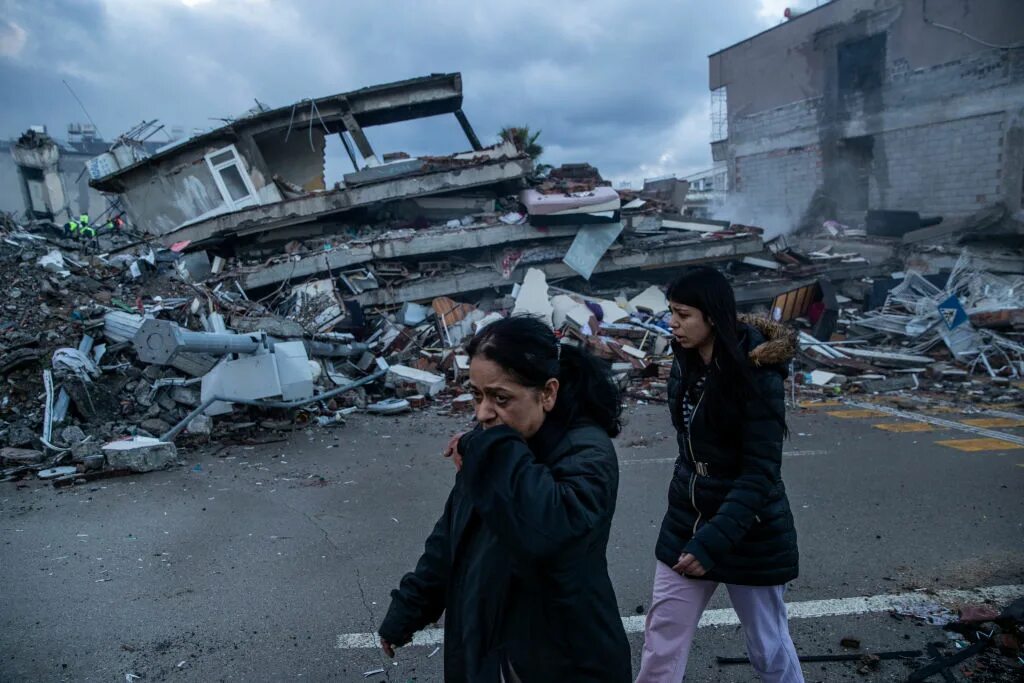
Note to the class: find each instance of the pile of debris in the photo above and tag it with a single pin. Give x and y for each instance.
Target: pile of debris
(102, 373)
(115, 346)
(900, 303)
(980, 642)
(235, 284)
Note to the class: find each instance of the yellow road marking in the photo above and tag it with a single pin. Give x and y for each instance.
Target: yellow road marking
(820, 404)
(978, 445)
(906, 427)
(942, 410)
(858, 413)
(990, 422)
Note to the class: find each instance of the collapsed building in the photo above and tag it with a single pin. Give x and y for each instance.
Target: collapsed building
(242, 288)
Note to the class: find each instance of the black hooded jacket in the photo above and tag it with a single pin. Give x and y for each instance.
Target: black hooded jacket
(727, 504)
(517, 561)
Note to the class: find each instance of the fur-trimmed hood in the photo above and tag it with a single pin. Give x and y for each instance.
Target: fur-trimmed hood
(771, 344)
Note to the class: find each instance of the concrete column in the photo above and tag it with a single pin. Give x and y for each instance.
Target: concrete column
(468, 130)
(356, 131)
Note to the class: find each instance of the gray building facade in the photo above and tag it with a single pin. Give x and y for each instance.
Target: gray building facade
(874, 104)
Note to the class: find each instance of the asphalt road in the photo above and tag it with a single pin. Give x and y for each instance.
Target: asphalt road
(256, 562)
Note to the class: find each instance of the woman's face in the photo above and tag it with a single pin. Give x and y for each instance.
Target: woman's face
(501, 400)
(689, 327)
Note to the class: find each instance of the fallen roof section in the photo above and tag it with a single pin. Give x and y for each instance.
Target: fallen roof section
(371, 106)
(436, 178)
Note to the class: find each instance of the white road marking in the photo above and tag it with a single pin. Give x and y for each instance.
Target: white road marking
(810, 609)
(939, 422)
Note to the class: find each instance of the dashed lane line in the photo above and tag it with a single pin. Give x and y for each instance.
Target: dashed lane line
(906, 427)
(940, 422)
(979, 445)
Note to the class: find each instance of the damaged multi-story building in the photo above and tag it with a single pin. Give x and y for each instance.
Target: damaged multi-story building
(265, 171)
(399, 228)
(45, 178)
(858, 105)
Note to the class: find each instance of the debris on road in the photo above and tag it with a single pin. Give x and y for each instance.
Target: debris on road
(282, 293)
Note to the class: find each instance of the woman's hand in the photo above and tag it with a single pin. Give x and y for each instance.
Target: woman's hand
(689, 565)
(452, 451)
(388, 648)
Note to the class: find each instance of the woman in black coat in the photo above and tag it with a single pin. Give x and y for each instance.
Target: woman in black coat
(516, 563)
(728, 518)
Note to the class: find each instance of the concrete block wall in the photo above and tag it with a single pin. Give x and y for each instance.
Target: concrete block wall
(951, 168)
(772, 122)
(773, 190)
(941, 140)
(967, 76)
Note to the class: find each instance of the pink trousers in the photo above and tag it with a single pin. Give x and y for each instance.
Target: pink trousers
(676, 608)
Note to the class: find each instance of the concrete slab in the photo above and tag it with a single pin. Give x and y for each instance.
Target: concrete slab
(140, 454)
(267, 217)
(397, 245)
(673, 256)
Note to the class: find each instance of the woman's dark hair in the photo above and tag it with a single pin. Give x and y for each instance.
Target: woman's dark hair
(708, 291)
(526, 348)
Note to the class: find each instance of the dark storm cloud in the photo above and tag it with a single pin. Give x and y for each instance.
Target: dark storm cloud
(622, 85)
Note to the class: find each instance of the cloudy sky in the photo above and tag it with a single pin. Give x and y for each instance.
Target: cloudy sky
(622, 85)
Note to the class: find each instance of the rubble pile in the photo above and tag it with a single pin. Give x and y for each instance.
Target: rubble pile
(114, 347)
(290, 303)
(955, 332)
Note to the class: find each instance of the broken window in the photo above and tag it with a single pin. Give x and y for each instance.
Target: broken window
(234, 183)
(861, 64)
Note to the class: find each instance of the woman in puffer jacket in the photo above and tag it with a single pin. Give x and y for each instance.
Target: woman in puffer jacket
(728, 518)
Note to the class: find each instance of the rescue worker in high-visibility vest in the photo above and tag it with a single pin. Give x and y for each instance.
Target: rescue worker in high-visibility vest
(71, 227)
(84, 228)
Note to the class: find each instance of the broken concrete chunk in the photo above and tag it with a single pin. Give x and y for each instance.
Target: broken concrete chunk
(54, 262)
(140, 454)
(20, 456)
(487, 320)
(20, 435)
(389, 406)
(142, 392)
(561, 304)
(412, 314)
(72, 435)
(612, 312)
(185, 396)
(84, 449)
(533, 296)
(426, 383)
(155, 426)
(462, 403)
(651, 299)
(201, 424)
(165, 401)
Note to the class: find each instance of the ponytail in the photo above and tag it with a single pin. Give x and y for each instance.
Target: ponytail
(586, 389)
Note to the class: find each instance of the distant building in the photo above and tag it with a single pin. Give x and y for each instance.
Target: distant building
(47, 178)
(874, 104)
(707, 191)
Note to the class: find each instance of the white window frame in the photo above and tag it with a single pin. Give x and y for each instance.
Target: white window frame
(253, 199)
